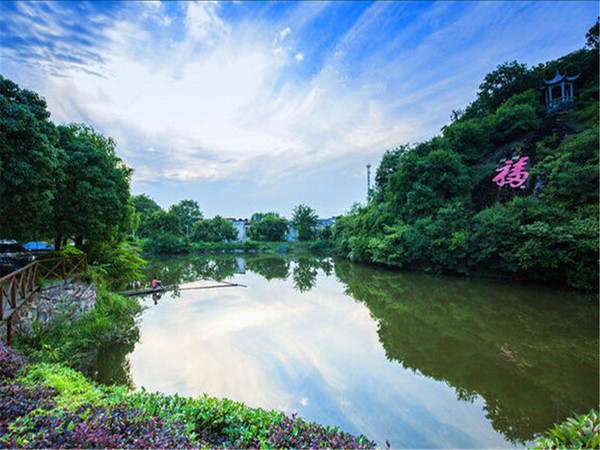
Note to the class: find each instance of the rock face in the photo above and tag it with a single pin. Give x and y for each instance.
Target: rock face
(71, 298)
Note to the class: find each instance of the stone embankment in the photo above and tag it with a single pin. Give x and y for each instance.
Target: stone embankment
(70, 297)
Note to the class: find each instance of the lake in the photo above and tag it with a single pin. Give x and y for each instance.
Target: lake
(420, 361)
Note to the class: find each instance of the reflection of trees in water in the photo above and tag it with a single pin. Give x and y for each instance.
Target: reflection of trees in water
(304, 271)
(112, 366)
(269, 266)
(532, 356)
(304, 276)
(174, 270)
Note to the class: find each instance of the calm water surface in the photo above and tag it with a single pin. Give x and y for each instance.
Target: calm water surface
(423, 362)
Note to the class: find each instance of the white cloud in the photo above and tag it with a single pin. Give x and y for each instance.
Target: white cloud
(211, 110)
(217, 100)
(284, 33)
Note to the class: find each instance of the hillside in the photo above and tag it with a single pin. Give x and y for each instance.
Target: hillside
(509, 188)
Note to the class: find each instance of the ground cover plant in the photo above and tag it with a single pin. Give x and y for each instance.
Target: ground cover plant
(580, 431)
(52, 406)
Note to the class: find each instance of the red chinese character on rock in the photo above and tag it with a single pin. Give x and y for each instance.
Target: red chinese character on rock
(513, 174)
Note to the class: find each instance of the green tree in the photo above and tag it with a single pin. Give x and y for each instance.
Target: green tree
(271, 227)
(216, 229)
(506, 80)
(387, 167)
(593, 36)
(163, 222)
(144, 208)
(189, 213)
(92, 200)
(304, 219)
(30, 163)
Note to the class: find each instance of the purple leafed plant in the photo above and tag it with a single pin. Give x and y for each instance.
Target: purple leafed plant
(10, 362)
(99, 427)
(292, 432)
(18, 399)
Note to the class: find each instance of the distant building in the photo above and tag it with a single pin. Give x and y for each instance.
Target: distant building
(241, 226)
(292, 235)
(322, 223)
(559, 91)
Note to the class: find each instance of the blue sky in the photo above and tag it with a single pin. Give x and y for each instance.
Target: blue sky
(260, 106)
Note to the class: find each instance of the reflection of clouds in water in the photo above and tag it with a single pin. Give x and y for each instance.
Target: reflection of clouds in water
(273, 347)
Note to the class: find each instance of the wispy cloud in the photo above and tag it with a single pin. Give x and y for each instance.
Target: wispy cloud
(234, 91)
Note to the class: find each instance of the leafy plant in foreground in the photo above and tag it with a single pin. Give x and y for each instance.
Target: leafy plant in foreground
(72, 387)
(293, 432)
(97, 427)
(581, 431)
(11, 362)
(18, 399)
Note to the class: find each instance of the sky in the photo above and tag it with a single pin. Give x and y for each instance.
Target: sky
(254, 106)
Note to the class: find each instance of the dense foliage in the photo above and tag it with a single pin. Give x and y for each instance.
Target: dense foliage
(64, 184)
(50, 406)
(270, 227)
(304, 219)
(77, 343)
(434, 207)
(581, 431)
(57, 181)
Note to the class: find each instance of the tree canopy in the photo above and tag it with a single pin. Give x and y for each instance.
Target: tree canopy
(270, 227)
(436, 208)
(304, 218)
(31, 163)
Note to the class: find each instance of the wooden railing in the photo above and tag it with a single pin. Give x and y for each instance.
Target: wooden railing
(17, 287)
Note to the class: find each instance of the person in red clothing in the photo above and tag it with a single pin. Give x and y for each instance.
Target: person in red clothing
(156, 283)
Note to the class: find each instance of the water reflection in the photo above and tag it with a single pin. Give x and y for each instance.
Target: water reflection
(525, 356)
(532, 354)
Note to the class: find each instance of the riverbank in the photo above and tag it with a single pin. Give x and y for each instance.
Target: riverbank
(49, 405)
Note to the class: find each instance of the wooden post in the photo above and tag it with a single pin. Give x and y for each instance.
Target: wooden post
(9, 331)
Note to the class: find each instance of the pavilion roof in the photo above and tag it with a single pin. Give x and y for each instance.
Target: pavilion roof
(558, 78)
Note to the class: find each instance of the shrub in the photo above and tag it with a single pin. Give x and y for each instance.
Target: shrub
(98, 427)
(113, 319)
(292, 432)
(580, 431)
(72, 388)
(18, 399)
(11, 362)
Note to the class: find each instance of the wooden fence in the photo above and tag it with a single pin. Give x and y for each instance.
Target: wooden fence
(18, 286)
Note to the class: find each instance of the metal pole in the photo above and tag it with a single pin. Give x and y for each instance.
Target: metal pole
(368, 179)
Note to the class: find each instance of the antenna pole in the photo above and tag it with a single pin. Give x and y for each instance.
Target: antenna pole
(368, 178)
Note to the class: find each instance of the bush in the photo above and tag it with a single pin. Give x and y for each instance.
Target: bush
(11, 362)
(18, 399)
(165, 243)
(97, 427)
(75, 344)
(580, 431)
(72, 388)
(296, 433)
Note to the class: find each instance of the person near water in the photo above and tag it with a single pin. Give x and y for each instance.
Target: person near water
(156, 283)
